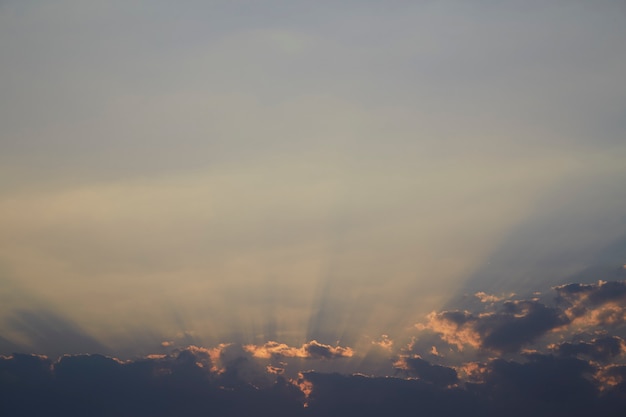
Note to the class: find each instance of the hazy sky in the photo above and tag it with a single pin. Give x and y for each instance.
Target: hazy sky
(245, 171)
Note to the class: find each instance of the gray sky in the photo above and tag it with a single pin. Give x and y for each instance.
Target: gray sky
(232, 170)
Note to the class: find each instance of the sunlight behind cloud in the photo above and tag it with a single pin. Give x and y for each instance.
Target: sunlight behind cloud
(193, 172)
(225, 254)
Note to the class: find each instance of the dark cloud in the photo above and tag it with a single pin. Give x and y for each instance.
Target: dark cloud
(593, 294)
(583, 376)
(180, 384)
(508, 326)
(592, 305)
(197, 381)
(600, 349)
(518, 323)
(359, 395)
(544, 385)
(25, 369)
(237, 368)
(436, 374)
(26, 383)
(512, 325)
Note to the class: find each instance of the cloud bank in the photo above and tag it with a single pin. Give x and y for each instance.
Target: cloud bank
(559, 356)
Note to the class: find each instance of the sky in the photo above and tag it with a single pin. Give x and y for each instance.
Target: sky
(389, 190)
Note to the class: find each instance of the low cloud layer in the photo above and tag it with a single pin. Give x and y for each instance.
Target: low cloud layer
(182, 384)
(559, 356)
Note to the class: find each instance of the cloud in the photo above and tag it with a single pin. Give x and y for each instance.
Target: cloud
(583, 376)
(436, 374)
(512, 325)
(601, 349)
(613, 377)
(22, 368)
(310, 350)
(187, 383)
(506, 326)
(473, 371)
(490, 298)
(454, 327)
(176, 384)
(384, 342)
(359, 395)
(588, 305)
(545, 385)
(315, 349)
(518, 323)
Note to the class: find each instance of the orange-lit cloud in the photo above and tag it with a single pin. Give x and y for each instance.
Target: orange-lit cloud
(384, 342)
(490, 298)
(275, 370)
(611, 376)
(454, 327)
(473, 371)
(506, 328)
(310, 350)
(591, 305)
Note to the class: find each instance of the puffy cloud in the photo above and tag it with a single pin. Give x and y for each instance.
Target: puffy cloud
(613, 377)
(473, 371)
(600, 349)
(601, 304)
(384, 342)
(424, 370)
(593, 294)
(508, 326)
(454, 327)
(273, 349)
(490, 298)
(315, 349)
(514, 324)
(310, 350)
